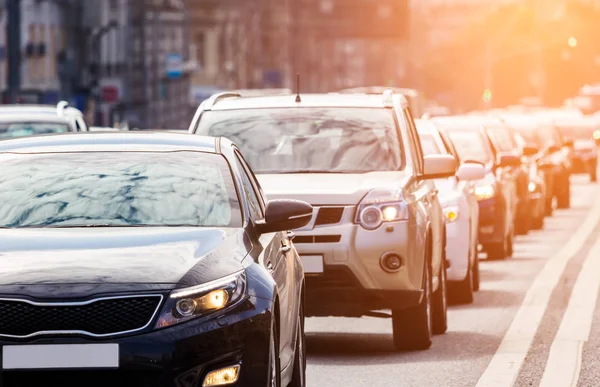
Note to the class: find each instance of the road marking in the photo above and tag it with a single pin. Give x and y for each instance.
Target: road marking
(508, 359)
(564, 361)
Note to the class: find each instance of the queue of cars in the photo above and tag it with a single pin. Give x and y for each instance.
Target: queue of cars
(192, 259)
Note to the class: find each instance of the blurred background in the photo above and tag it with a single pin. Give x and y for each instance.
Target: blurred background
(149, 63)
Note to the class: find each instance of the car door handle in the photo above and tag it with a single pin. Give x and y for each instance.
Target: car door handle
(291, 235)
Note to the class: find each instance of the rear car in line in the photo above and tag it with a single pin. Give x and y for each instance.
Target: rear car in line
(157, 262)
(496, 192)
(580, 133)
(376, 239)
(461, 210)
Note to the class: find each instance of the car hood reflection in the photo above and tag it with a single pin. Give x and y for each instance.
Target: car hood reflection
(328, 188)
(176, 256)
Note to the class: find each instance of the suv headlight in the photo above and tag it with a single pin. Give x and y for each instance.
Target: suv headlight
(379, 206)
(189, 303)
(486, 191)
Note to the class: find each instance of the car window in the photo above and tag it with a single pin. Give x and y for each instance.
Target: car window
(117, 189)
(429, 145)
(501, 139)
(470, 145)
(337, 140)
(23, 129)
(256, 211)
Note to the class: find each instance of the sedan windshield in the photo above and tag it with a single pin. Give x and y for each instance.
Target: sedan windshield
(320, 140)
(119, 189)
(470, 145)
(23, 129)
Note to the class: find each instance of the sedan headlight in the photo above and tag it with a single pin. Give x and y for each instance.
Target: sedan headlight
(379, 206)
(532, 186)
(189, 303)
(485, 191)
(451, 213)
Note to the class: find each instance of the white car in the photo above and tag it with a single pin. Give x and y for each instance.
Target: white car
(461, 211)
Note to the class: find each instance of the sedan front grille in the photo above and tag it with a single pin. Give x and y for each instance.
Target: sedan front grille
(98, 317)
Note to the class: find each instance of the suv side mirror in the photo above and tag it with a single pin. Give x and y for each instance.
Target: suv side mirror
(530, 150)
(470, 172)
(285, 214)
(508, 160)
(439, 166)
(568, 142)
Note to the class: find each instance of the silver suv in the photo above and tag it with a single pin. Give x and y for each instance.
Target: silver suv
(376, 239)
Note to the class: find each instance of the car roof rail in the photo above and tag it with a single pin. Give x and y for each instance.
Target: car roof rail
(60, 107)
(213, 99)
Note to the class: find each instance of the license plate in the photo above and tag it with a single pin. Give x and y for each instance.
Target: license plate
(34, 357)
(312, 263)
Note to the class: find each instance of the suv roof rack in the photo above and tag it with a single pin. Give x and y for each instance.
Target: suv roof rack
(60, 107)
(213, 99)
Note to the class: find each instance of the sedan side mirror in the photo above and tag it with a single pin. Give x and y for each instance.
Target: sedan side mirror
(439, 166)
(530, 150)
(568, 142)
(471, 172)
(509, 160)
(285, 214)
(553, 149)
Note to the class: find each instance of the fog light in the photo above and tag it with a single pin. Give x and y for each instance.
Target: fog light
(532, 186)
(391, 262)
(222, 377)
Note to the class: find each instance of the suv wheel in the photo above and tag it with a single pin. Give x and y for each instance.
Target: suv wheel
(440, 303)
(412, 326)
(462, 292)
(563, 199)
(500, 250)
(299, 373)
(476, 278)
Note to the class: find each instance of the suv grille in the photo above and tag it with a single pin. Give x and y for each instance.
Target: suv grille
(101, 317)
(329, 215)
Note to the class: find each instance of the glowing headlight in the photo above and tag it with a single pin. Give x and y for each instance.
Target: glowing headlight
(485, 191)
(532, 186)
(379, 206)
(451, 213)
(186, 304)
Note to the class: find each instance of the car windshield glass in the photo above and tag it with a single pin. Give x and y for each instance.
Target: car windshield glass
(470, 145)
(321, 140)
(528, 133)
(118, 189)
(429, 145)
(501, 139)
(23, 129)
(577, 132)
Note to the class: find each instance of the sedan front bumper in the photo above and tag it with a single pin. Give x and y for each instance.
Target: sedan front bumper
(180, 355)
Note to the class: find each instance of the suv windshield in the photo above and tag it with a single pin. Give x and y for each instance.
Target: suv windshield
(320, 140)
(470, 145)
(23, 129)
(429, 145)
(119, 189)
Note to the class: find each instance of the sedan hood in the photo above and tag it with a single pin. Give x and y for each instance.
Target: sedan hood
(172, 257)
(328, 188)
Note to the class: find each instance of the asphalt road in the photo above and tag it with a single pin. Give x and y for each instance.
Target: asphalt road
(535, 321)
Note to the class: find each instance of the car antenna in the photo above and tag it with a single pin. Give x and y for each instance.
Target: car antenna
(298, 100)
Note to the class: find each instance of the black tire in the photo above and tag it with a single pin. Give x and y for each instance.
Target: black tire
(549, 206)
(412, 326)
(461, 292)
(593, 174)
(538, 223)
(523, 225)
(274, 371)
(476, 277)
(502, 250)
(299, 373)
(563, 200)
(511, 245)
(439, 305)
